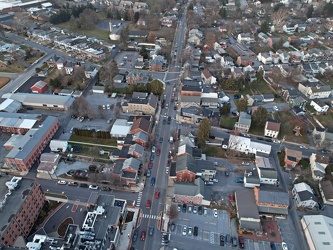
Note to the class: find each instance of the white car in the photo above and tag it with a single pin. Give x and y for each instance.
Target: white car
(62, 182)
(284, 246)
(153, 149)
(189, 231)
(81, 119)
(303, 147)
(104, 106)
(184, 230)
(225, 146)
(108, 106)
(215, 212)
(276, 141)
(167, 170)
(94, 187)
(276, 108)
(245, 163)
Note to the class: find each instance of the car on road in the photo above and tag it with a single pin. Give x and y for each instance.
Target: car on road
(62, 182)
(222, 240)
(276, 141)
(241, 241)
(184, 230)
(153, 181)
(83, 185)
(325, 151)
(152, 157)
(157, 194)
(205, 212)
(164, 122)
(167, 170)
(93, 187)
(148, 173)
(161, 139)
(226, 173)
(148, 204)
(184, 208)
(189, 231)
(195, 209)
(172, 227)
(153, 149)
(150, 165)
(239, 180)
(275, 108)
(269, 140)
(135, 235)
(284, 246)
(158, 151)
(234, 241)
(303, 147)
(73, 183)
(260, 138)
(143, 235)
(195, 231)
(245, 163)
(151, 231)
(215, 212)
(105, 188)
(81, 119)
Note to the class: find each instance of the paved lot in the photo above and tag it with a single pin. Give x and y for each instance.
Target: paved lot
(127, 59)
(288, 232)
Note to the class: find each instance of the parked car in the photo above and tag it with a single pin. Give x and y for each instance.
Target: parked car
(231, 198)
(153, 149)
(172, 227)
(241, 241)
(284, 246)
(215, 213)
(205, 212)
(275, 108)
(245, 163)
(150, 165)
(148, 173)
(158, 151)
(236, 96)
(105, 188)
(157, 194)
(189, 231)
(148, 204)
(235, 113)
(226, 173)
(239, 180)
(143, 235)
(93, 187)
(195, 231)
(184, 230)
(73, 183)
(152, 157)
(195, 209)
(62, 182)
(179, 207)
(200, 210)
(222, 239)
(77, 149)
(153, 181)
(167, 170)
(303, 147)
(228, 240)
(161, 139)
(84, 185)
(273, 247)
(189, 209)
(184, 208)
(151, 231)
(135, 235)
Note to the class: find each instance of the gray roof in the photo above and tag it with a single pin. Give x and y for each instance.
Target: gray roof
(270, 173)
(193, 165)
(305, 195)
(246, 204)
(244, 119)
(190, 98)
(132, 163)
(137, 148)
(273, 196)
(189, 188)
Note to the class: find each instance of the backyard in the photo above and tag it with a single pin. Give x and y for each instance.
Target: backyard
(326, 120)
(228, 122)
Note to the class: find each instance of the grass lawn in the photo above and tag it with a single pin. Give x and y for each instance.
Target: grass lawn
(326, 120)
(257, 130)
(214, 151)
(91, 141)
(228, 122)
(287, 125)
(100, 34)
(257, 87)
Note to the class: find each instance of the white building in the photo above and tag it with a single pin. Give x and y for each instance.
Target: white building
(303, 195)
(318, 231)
(318, 165)
(272, 129)
(267, 174)
(120, 128)
(245, 145)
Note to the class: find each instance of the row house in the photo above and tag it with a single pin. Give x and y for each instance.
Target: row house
(265, 58)
(303, 196)
(146, 106)
(314, 90)
(272, 129)
(244, 122)
(318, 164)
(245, 38)
(291, 158)
(319, 106)
(271, 200)
(266, 172)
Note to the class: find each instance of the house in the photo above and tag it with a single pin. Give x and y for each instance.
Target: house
(158, 63)
(319, 106)
(187, 148)
(140, 138)
(244, 122)
(314, 90)
(247, 211)
(140, 7)
(295, 56)
(120, 128)
(271, 200)
(194, 114)
(265, 58)
(323, 136)
(223, 97)
(147, 105)
(140, 124)
(245, 145)
(187, 101)
(118, 79)
(194, 40)
(283, 56)
(135, 77)
(195, 32)
(245, 38)
(303, 195)
(289, 93)
(244, 61)
(56, 62)
(272, 129)
(136, 151)
(207, 77)
(326, 191)
(191, 87)
(39, 87)
(210, 100)
(318, 164)
(227, 61)
(251, 178)
(48, 163)
(266, 173)
(129, 171)
(238, 49)
(90, 71)
(291, 158)
(190, 192)
(318, 231)
(289, 29)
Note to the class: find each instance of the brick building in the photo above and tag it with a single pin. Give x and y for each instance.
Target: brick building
(21, 200)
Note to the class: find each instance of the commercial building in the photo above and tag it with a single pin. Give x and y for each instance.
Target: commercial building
(21, 200)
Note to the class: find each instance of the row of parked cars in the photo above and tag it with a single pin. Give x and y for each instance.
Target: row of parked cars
(83, 185)
(228, 240)
(192, 209)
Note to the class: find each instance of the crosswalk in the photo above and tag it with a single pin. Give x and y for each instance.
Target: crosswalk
(149, 216)
(138, 200)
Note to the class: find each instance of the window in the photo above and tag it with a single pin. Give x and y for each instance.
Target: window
(44, 105)
(321, 233)
(317, 223)
(326, 243)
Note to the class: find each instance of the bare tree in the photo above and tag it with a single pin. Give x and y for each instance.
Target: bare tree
(172, 212)
(22, 21)
(101, 111)
(117, 112)
(210, 39)
(81, 107)
(279, 18)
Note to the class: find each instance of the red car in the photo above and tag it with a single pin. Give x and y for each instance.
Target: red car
(143, 235)
(231, 198)
(157, 194)
(169, 161)
(241, 241)
(158, 152)
(148, 205)
(150, 165)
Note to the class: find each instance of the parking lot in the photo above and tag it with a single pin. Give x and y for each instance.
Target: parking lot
(127, 59)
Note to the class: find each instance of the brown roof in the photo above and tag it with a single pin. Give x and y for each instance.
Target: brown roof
(142, 124)
(294, 153)
(327, 188)
(274, 126)
(322, 159)
(206, 73)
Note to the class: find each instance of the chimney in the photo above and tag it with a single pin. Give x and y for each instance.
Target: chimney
(31, 136)
(20, 148)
